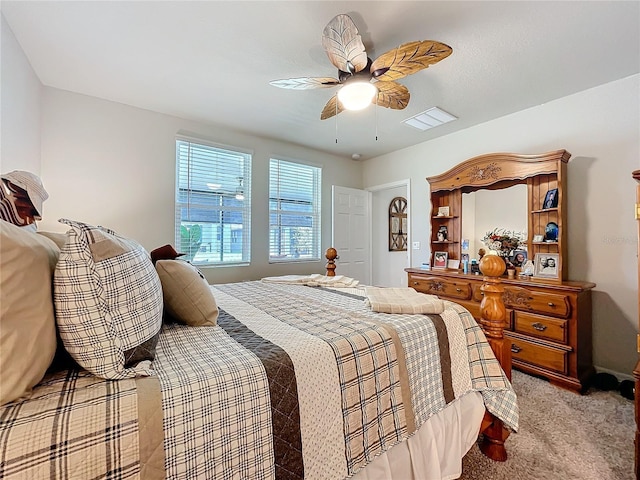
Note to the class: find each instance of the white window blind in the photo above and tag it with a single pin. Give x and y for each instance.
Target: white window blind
(294, 211)
(213, 204)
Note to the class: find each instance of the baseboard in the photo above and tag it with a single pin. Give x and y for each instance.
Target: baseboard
(618, 375)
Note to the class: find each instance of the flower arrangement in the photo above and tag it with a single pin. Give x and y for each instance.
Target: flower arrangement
(504, 241)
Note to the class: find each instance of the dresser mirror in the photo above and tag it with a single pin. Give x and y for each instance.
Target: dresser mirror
(484, 210)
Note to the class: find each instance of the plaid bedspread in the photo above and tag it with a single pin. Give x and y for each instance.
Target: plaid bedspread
(223, 403)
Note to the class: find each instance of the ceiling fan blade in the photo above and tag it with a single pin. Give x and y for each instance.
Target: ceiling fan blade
(305, 83)
(333, 107)
(408, 58)
(343, 45)
(392, 95)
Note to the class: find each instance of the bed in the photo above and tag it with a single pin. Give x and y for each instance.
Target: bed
(275, 378)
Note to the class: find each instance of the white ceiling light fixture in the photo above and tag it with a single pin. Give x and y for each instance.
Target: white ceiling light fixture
(430, 118)
(357, 95)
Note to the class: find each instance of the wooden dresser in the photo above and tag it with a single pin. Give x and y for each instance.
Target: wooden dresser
(548, 324)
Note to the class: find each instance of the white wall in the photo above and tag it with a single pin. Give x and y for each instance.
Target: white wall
(20, 96)
(388, 267)
(114, 165)
(601, 128)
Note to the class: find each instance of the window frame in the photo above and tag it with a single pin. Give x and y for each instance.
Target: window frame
(315, 213)
(224, 205)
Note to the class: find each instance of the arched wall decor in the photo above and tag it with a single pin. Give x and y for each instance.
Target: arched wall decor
(398, 224)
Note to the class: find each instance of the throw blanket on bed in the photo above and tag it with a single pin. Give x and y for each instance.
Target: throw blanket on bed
(402, 300)
(295, 382)
(314, 280)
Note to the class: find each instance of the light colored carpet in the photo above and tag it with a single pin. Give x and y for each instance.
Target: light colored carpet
(563, 435)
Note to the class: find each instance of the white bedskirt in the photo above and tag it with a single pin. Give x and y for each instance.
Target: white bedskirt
(435, 451)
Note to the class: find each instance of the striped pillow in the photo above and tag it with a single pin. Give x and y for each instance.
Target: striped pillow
(108, 301)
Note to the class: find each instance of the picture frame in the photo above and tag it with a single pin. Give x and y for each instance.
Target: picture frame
(443, 211)
(542, 268)
(538, 238)
(551, 199)
(453, 264)
(443, 233)
(440, 260)
(518, 258)
(464, 257)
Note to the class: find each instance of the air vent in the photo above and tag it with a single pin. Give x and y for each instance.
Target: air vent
(430, 118)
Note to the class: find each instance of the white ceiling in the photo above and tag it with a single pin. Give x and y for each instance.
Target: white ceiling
(211, 61)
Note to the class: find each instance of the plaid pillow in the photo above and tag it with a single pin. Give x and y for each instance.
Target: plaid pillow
(108, 301)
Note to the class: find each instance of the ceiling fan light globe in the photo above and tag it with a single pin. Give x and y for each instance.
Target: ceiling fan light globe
(357, 95)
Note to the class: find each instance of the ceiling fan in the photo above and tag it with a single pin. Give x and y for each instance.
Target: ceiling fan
(364, 81)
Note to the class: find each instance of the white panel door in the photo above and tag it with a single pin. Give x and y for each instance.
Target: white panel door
(351, 227)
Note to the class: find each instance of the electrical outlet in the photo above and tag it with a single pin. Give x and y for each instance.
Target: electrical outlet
(416, 245)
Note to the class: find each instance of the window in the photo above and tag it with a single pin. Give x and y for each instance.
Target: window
(213, 204)
(294, 211)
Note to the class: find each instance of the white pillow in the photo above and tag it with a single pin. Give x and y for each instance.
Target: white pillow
(108, 301)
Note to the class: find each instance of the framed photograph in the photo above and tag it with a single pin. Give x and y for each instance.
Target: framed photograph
(440, 259)
(551, 199)
(443, 211)
(453, 264)
(538, 238)
(464, 257)
(546, 265)
(443, 233)
(518, 258)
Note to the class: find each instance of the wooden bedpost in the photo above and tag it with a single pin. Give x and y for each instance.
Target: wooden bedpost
(492, 310)
(331, 255)
(493, 321)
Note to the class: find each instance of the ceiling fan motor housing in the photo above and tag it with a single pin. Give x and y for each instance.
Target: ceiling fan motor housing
(364, 74)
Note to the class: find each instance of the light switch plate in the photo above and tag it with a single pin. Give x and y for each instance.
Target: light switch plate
(416, 245)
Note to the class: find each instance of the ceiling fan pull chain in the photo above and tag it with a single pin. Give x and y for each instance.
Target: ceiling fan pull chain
(375, 107)
(336, 115)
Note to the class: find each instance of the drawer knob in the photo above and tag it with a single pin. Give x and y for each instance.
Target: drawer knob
(551, 304)
(515, 348)
(539, 326)
(416, 283)
(458, 289)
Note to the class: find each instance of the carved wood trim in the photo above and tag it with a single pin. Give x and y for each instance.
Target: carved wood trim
(491, 168)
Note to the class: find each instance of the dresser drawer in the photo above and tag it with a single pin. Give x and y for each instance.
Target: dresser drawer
(474, 309)
(540, 355)
(443, 287)
(544, 303)
(541, 327)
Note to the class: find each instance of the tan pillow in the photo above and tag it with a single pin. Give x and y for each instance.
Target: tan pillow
(27, 323)
(58, 238)
(187, 295)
